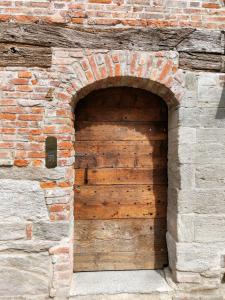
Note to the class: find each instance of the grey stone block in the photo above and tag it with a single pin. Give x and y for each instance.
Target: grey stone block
(210, 176)
(212, 135)
(12, 231)
(33, 174)
(209, 153)
(24, 274)
(209, 228)
(22, 200)
(54, 231)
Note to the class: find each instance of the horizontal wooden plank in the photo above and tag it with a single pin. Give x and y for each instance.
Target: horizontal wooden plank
(119, 261)
(25, 55)
(85, 211)
(145, 39)
(121, 98)
(142, 147)
(145, 243)
(130, 114)
(107, 154)
(202, 61)
(110, 176)
(117, 229)
(113, 38)
(124, 104)
(121, 236)
(121, 194)
(115, 160)
(89, 131)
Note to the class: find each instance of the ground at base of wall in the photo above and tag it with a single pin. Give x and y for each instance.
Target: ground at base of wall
(129, 285)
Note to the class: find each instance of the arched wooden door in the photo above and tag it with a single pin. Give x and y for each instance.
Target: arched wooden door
(121, 181)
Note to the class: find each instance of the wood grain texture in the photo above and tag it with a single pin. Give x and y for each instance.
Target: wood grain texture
(120, 244)
(187, 40)
(141, 106)
(145, 39)
(104, 211)
(110, 154)
(202, 61)
(121, 169)
(119, 261)
(25, 55)
(121, 131)
(118, 229)
(122, 194)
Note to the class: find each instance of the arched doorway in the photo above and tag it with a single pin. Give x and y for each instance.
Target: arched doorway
(121, 181)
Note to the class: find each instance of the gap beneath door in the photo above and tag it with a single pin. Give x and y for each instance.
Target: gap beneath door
(105, 284)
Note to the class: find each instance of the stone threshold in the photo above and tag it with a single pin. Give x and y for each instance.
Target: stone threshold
(120, 285)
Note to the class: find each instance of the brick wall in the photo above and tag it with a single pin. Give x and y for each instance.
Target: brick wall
(195, 13)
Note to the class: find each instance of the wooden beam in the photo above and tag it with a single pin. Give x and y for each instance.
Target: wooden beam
(25, 55)
(150, 39)
(199, 49)
(144, 39)
(202, 61)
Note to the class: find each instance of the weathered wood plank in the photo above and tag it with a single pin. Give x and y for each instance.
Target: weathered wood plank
(202, 61)
(203, 41)
(123, 194)
(108, 176)
(117, 160)
(124, 104)
(114, 244)
(121, 131)
(119, 261)
(123, 114)
(126, 235)
(117, 229)
(25, 55)
(109, 155)
(146, 39)
(85, 211)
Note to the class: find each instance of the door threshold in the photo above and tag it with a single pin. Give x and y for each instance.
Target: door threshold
(136, 284)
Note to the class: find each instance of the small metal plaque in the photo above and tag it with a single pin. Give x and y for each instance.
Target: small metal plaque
(51, 152)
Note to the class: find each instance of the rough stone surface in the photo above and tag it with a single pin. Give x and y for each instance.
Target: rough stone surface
(22, 200)
(51, 231)
(24, 274)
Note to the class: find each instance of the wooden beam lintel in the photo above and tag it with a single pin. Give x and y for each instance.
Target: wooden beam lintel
(30, 44)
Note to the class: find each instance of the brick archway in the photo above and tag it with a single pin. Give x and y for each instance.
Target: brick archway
(77, 73)
(85, 71)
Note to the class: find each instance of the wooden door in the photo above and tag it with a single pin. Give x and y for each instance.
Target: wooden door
(121, 181)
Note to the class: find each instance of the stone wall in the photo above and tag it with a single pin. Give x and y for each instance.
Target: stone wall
(197, 13)
(36, 211)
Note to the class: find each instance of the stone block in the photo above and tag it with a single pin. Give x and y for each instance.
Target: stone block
(188, 277)
(209, 228)
(210, 176)
(197, 257)
(210, 91)
(22, 200)
(212, 135)
(12, 231)
(25, 274)
(181, 176)
(191, 81)
(212, 117)
(181, 227)
(209, 153)
(54, 231)
(34, 174)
